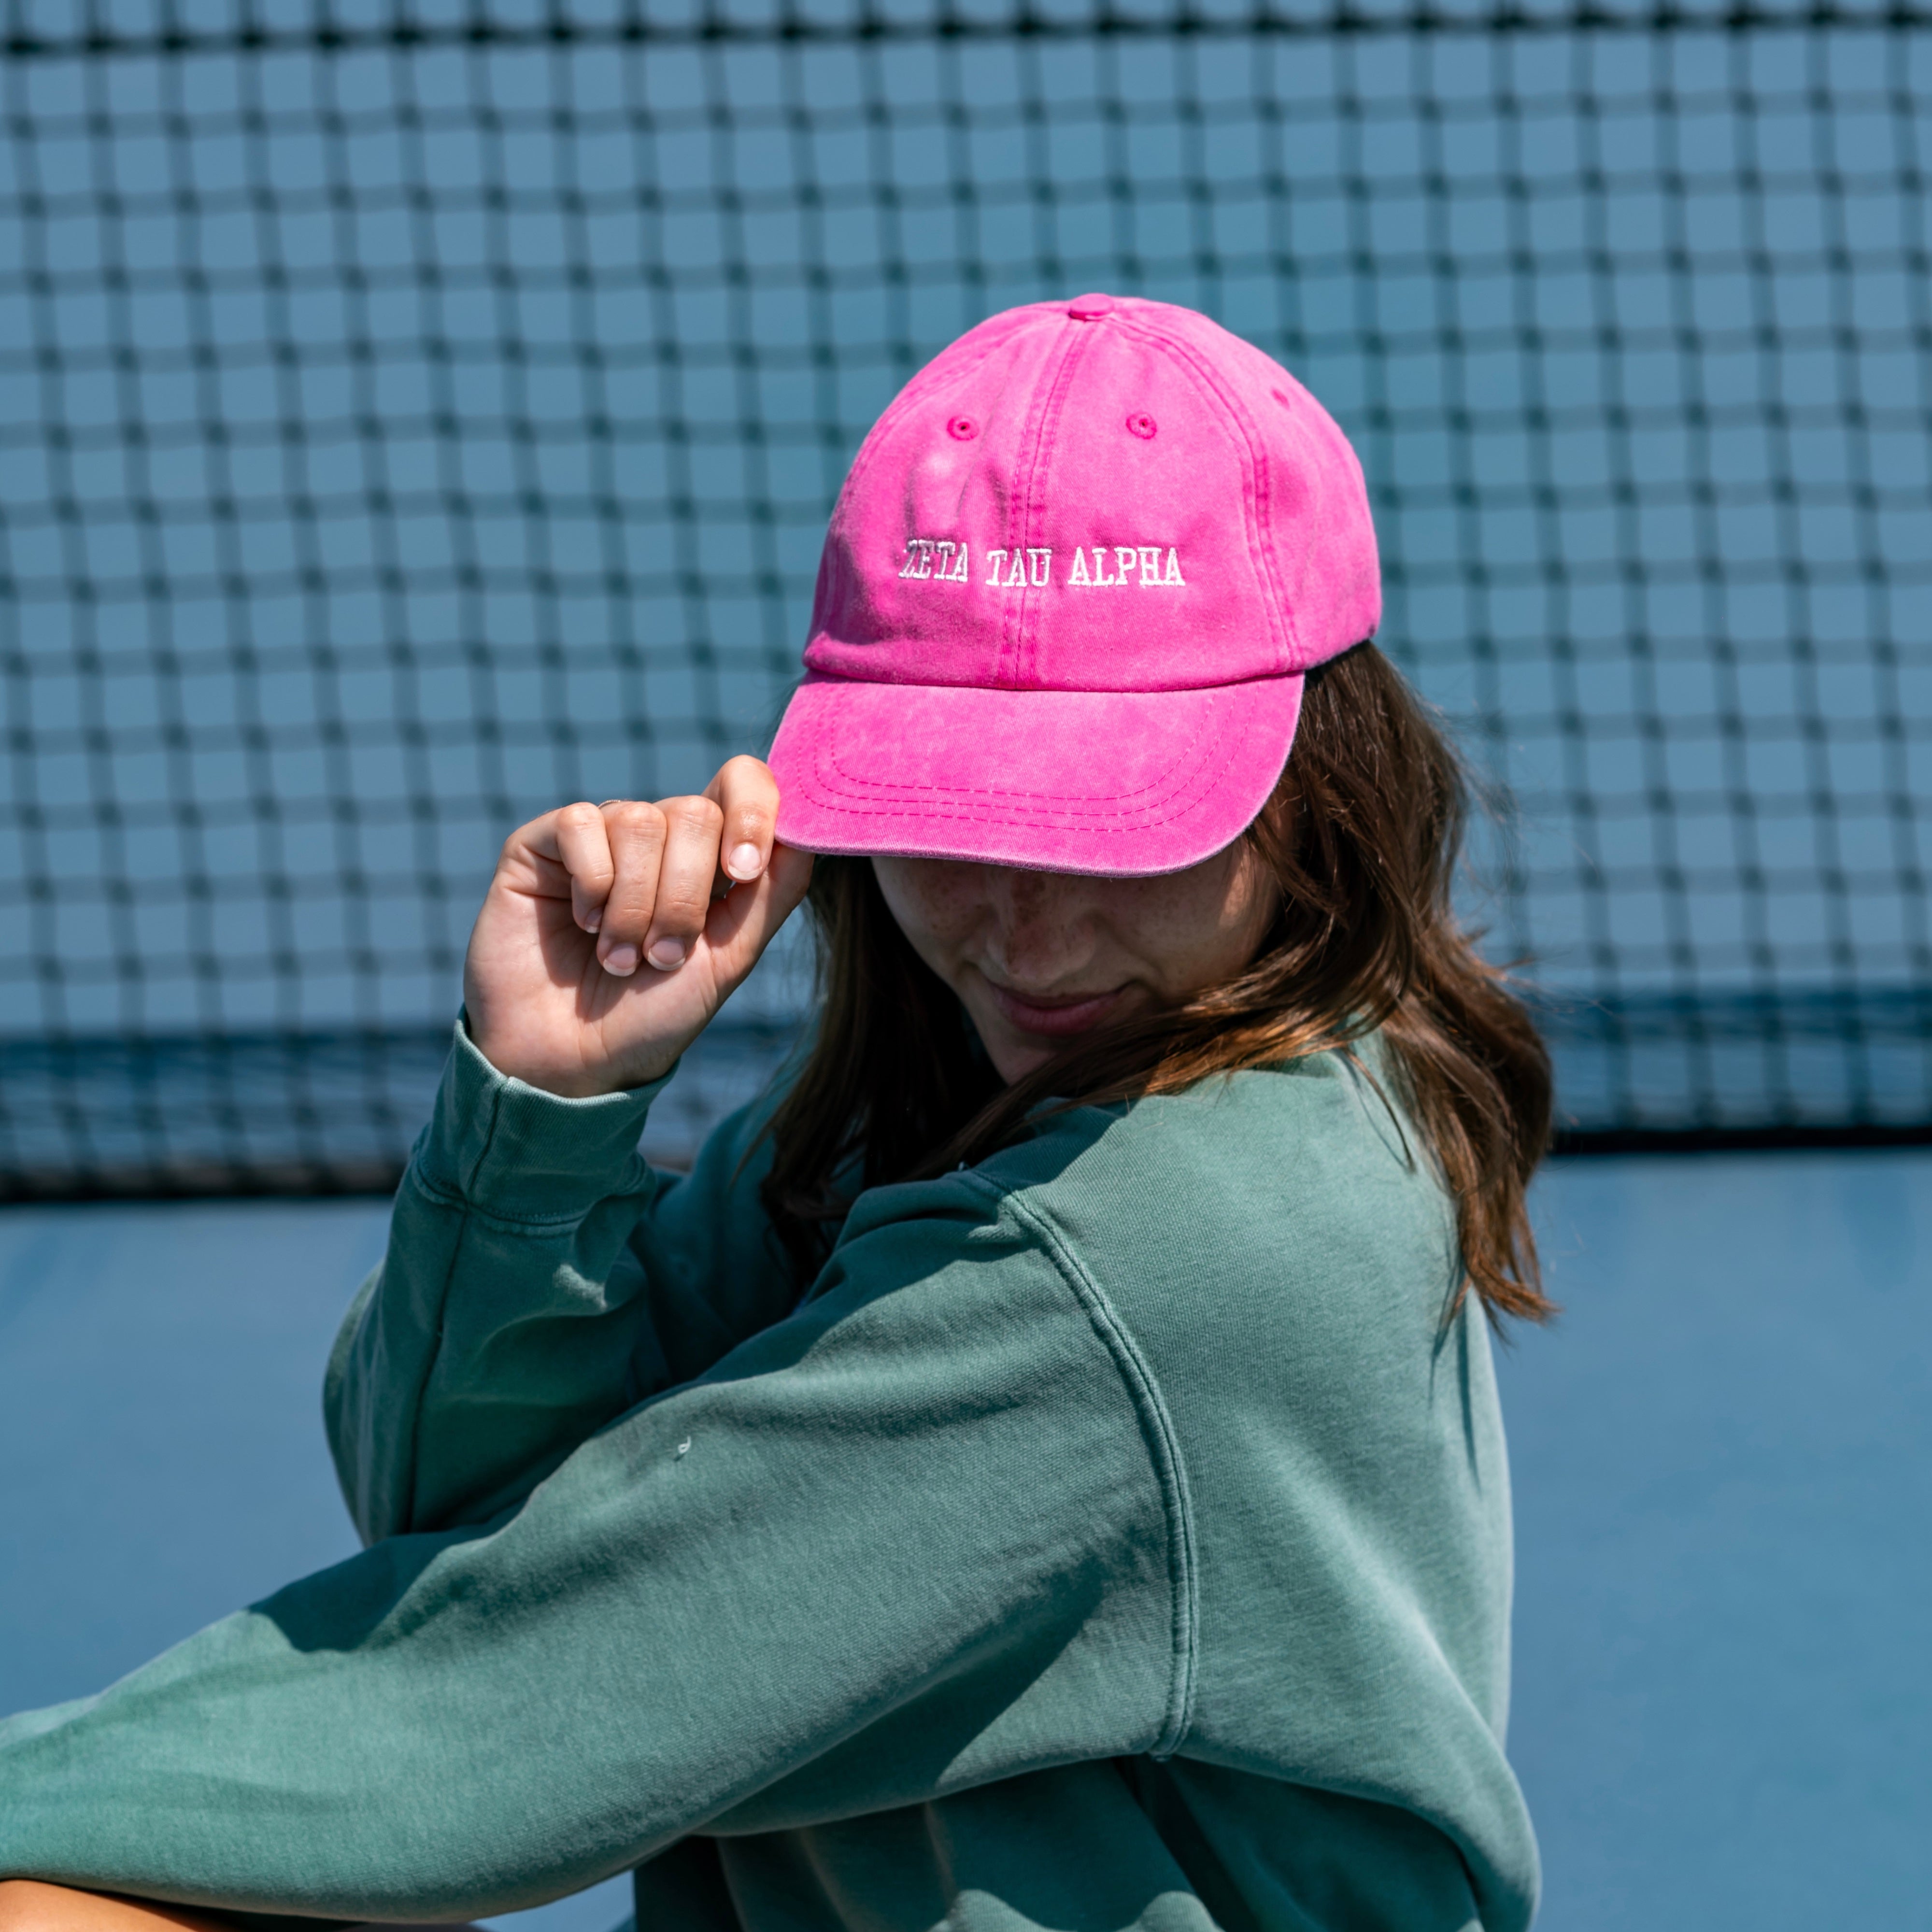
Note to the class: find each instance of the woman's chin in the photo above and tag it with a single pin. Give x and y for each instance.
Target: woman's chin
(1013, 1063)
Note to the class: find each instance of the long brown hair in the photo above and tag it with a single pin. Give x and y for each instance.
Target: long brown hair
(1362, 836)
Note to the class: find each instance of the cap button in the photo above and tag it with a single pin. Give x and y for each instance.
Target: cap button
(1090, 308)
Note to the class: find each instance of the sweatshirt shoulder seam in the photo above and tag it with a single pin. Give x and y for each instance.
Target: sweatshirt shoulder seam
(1164, 1445)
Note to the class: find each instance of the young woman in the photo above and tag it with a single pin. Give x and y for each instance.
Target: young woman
(1042, 1468)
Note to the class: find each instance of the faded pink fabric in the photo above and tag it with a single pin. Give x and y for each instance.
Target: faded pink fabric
(1068, 595)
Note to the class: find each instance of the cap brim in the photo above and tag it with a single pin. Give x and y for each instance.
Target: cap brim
(1122, 784)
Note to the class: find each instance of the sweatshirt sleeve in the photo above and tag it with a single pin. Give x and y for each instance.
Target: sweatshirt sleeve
(920, 1534)
(539, 1280)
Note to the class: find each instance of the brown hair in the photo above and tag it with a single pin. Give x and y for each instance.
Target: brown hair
(1362, 836)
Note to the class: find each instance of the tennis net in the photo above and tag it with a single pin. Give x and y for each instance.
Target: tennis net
(411, 418)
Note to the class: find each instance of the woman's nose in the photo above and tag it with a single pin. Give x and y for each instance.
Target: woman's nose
(1040, 918)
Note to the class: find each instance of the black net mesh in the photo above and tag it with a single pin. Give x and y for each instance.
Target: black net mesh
(411, 419)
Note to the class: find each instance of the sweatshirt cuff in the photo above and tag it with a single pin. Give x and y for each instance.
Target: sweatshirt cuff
(520, 1153)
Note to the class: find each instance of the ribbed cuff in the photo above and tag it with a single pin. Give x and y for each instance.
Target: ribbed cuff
(521, 1154)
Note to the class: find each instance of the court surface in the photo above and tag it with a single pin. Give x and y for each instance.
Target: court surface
(1724, 1692)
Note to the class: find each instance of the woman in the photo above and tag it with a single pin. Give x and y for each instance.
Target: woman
(1041, 1467)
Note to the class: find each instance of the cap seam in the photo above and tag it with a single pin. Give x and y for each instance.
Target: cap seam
(1260, 481)
(1020, 508)
(1026, 655)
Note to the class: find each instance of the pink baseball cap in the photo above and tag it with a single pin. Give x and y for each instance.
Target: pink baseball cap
(1068, 595)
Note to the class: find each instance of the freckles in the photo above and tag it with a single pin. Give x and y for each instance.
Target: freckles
(953, 900)
(1034, 910)
(945, 894)
(1189, 927)
(1029, 893)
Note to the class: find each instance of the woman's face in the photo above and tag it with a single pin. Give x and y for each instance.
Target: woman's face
(1037, 958)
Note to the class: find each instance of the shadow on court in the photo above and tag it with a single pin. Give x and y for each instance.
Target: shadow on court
(1724, 1695)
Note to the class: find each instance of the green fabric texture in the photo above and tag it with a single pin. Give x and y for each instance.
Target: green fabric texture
(1116, 1535)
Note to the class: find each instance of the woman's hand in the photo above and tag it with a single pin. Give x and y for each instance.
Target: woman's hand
(612, 933)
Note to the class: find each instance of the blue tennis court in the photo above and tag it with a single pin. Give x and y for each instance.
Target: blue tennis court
(1722, 1456)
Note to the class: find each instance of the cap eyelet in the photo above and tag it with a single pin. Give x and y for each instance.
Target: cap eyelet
(1142, 424)
(962, 429)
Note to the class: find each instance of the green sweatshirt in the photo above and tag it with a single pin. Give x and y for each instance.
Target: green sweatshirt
(1116, 1535)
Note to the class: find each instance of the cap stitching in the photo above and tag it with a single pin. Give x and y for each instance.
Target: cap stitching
(1026, 654)
(861, 784)
(863, 792)
(1254, 486)
(1257, 483)
(1020, 507)
(1263, 471)
(1189, 793)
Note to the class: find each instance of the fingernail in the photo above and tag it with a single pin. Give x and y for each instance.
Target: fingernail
(592, 919)
(666, 953)
(745, 861)
(621, 960)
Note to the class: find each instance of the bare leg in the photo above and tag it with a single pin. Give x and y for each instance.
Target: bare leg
(26, 1905)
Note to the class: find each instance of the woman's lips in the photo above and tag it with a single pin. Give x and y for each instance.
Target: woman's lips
(1056, 1018)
